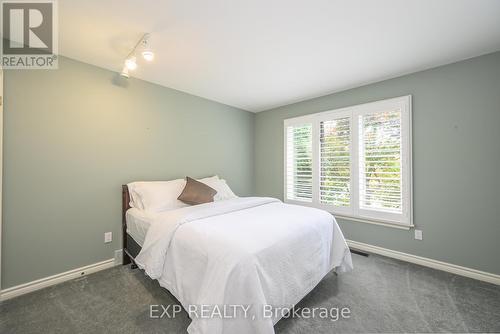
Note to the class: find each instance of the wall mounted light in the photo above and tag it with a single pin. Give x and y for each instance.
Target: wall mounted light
(131, 60)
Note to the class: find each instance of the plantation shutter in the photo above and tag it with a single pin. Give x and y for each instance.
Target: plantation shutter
(335, 162)
(354, 162)
(299, 163)
(380, 162)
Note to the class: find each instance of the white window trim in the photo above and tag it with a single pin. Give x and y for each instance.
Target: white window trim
(353, 213)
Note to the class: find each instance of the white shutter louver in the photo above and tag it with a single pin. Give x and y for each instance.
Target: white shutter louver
(335, 162)
(299, 162)
(380, 177)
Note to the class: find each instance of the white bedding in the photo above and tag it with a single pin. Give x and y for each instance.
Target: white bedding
(244, 251)
(138, 222)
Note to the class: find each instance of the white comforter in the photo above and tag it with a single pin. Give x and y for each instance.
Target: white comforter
(250, 251)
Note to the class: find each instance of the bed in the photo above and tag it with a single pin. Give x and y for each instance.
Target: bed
(248, 255)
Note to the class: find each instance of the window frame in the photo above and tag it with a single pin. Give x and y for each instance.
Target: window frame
(354, 212)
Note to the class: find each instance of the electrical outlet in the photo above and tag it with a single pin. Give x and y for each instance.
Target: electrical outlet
(108, 237)
(418, 235)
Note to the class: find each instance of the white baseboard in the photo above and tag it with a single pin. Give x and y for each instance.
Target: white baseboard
(423, 261)
(22, 289)
(55, 279)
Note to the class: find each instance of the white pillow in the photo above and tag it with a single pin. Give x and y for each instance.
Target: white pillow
(156, 196)
(223, 190)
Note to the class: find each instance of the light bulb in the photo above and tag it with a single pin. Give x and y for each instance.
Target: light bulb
(124, 72)
(131, 63)
(148, 55)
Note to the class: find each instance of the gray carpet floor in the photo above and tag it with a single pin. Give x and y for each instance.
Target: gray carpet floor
(383, 295)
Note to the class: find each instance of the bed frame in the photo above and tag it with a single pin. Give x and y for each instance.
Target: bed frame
(130, 247)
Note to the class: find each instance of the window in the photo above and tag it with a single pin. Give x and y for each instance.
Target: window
(354, 162)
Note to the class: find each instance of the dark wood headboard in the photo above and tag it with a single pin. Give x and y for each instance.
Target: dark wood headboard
(125, 201)
(125, 207)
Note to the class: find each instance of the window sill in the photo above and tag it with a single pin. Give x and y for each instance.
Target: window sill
(375, 222)
(372, 221)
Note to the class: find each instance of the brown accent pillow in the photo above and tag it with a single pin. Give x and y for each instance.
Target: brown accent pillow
(196, 192)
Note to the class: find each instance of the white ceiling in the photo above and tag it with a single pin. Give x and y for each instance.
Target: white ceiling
(259, 54)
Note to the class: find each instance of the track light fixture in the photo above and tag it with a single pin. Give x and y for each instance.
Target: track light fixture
(131, 60)
(131, 63)
(124, 73)
(147, 53)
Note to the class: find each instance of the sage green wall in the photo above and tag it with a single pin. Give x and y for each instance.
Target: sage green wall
(73, 136)
(456, 154)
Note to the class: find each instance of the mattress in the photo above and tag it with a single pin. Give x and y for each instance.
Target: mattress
(138, 222)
